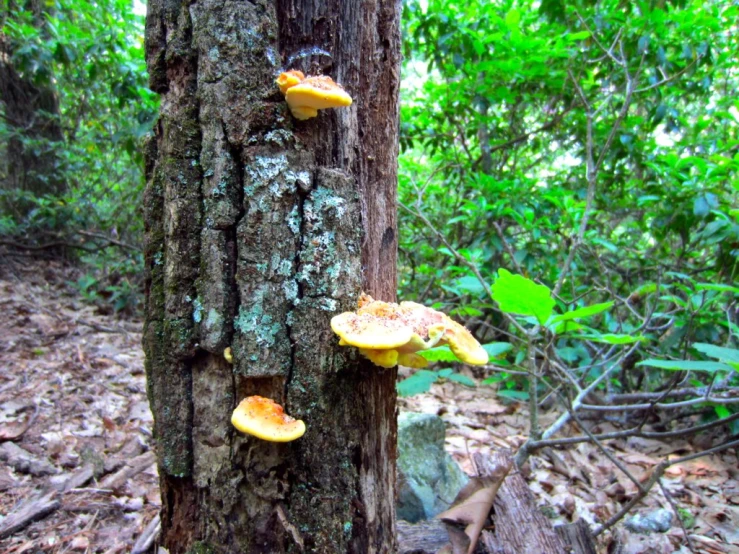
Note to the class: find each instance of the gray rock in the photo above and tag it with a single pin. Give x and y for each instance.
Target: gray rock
(428, 477)
(24, 462)
(658, 521)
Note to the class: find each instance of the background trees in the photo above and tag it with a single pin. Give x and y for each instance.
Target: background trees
(71, 170)
(591, 146)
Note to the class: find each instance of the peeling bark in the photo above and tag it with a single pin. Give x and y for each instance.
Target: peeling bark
(259, 229)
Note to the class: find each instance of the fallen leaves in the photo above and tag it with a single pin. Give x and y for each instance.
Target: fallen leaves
(72, 409)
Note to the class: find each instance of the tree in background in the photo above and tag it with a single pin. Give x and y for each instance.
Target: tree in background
(30, 110)
(258, 229)
(74, 108)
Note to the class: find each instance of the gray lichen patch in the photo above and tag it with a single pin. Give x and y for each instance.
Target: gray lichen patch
(279, 137)
(262, 171)
(259, 325)
(197, 310)
(261, 344)
(331, 237)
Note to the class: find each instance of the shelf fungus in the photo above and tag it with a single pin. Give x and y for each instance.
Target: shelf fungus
(265, 419)
(306, 95)
(389, 334)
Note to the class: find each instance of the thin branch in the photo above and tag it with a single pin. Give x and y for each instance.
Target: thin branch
(659, 405)
(636, 432)
(657, 474)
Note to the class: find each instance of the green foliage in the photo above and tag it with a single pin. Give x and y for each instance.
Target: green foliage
(444, 354)
(421, 381)
(91, 54)
(591, 148)
(517, 295)
(686, 365)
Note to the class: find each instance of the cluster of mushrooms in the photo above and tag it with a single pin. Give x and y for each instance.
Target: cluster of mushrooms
(386, 333)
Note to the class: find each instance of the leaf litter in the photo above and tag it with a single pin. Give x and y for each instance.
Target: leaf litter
(77, 471)
(580, 482)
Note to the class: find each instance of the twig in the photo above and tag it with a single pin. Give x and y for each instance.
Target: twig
(636, 432)
(675, 510)
(659, 470)
(109, 240)
(659, 405)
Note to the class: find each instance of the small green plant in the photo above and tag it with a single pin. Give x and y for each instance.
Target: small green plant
(421, 381)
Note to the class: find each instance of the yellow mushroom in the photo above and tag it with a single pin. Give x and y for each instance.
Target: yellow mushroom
(389, 334)
(265, 419)
(289, 79)
(306, 95)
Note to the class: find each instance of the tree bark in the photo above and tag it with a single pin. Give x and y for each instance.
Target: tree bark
(259, 228)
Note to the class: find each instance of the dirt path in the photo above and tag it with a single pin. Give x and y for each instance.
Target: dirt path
(75, 426)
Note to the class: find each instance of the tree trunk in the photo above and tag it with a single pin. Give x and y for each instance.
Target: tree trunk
(259, 228)
(31, 115)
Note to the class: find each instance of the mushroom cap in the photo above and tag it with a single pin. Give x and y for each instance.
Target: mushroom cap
(389, 333)
(289, 79)
(410, 359)
(303, 112)
(265, 419)
(319, 92)
(464, 345)
(368, 331)
(383, 358)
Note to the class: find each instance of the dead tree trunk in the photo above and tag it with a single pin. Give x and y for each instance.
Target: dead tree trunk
(259, 229)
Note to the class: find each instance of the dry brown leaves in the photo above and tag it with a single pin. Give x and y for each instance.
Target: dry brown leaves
(73, 418)
(581, 483)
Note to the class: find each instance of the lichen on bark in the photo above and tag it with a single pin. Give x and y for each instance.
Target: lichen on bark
(259, 229)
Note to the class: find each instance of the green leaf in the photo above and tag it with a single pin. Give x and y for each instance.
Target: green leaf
(513, 18)
(438, 354)
(417, 383)
(686, 365)
(565, 327)
(514, 395)
(497, 349)
(612, 338)
(497, 378)
(719, 352)
(516, 294)
(587, 311)
(717, 287)
(581, 35)
(462, 379)
(722, 411)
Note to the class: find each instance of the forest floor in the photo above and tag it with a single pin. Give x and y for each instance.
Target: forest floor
(77, 460)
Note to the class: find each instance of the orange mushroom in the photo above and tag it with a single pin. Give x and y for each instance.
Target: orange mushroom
(289, 79)
(306, 95)
(388, 334)
(265, 419)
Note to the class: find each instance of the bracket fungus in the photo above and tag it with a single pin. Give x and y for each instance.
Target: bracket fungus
(265, 419)
(306, 95)
(389, 334)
